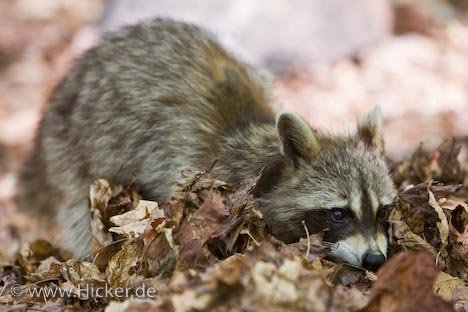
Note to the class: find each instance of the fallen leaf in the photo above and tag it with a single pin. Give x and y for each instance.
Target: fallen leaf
(134, 222)
(134, 305)
(208, 222)
(83, 273)
(405, 237)
(47, 270)
(126, 265)
(451, 204)
(442, 225)
(446, 285)
(405, 283)
(99, 194)
(460, 299)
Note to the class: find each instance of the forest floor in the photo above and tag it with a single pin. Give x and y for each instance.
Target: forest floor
(419, 77)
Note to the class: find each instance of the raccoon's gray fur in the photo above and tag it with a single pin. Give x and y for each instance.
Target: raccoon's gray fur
(156, 98)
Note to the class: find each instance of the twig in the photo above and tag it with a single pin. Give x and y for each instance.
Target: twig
(250, 235)
(308, 239)
(102, 248)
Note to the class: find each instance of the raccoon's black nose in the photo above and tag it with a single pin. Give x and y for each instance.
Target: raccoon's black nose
(372, 261)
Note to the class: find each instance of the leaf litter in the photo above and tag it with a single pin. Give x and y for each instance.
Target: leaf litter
(208, 248)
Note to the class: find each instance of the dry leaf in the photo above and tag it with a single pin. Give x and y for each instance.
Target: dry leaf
(208, 222)
(405, 237)
(82, 273)
(99, 195)
(451, 204)
(134, 222)
(405, 284)
(277, 284)
(442, 225)
(445, 285)
(47, 270)
(126, 265)
(133, 305)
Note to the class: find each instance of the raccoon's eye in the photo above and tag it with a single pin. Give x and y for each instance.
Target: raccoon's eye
(339, 215)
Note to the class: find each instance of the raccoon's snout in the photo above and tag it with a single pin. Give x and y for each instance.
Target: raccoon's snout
(372, 261)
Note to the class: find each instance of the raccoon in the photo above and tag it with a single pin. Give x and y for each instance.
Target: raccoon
(155, 98)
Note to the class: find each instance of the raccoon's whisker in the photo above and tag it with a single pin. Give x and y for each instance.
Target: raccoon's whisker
(213, 165)
(354, 266)
(330, 245)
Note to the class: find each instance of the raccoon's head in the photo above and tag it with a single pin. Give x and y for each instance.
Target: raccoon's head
(338, 185)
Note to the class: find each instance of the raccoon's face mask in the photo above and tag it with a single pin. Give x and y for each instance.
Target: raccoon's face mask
(338, 185)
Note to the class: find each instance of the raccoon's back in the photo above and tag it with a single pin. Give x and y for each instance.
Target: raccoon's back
(148, 101)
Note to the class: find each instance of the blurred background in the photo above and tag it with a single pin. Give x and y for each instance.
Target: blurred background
(333, 61)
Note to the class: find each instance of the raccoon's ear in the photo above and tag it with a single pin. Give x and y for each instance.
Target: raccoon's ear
(298, 139)
(369, 129)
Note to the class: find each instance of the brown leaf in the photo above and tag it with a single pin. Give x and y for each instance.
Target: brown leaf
(53, 306)
(353, 298)
(111, 201)
(441, 165)
(405, 237)
(451, 204)
(447, 286)
(442, 224)
(82, 273)
(32, 254)
(126, 265)
(422, 213)
(245, 218)
(460, 299)
(134, 305)
(208, 222)
(101, 237)
(405, 284)
(81, 277)
(417, 194)
(161, 257)
(458, 264)
(197, 181)
(99, 195)
(47, 270)
(458, 242)
(313, 245)
(445, 165)
(414, 170)
(123, 199)
(239, 195)
(106, 202)
(134, 222)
